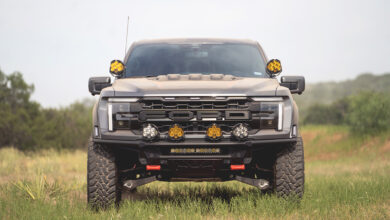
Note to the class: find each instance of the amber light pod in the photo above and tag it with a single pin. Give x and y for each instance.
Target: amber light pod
(176, 133)
(274, 67)
(117, 68)
(214, 132)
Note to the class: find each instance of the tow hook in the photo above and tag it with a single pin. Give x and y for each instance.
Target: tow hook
(259, 183)
(132, 184)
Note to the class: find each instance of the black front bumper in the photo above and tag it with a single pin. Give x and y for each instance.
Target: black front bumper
(139, 144)
(230, 151)
(195, 165)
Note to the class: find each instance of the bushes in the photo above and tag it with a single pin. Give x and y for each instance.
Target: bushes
(63, 128)
(364, 113)
(25, 125)
(327, 114)
(369, 113)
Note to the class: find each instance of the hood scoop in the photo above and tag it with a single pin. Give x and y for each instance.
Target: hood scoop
(195, 76)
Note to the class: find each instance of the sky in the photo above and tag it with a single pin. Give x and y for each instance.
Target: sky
(58, 45)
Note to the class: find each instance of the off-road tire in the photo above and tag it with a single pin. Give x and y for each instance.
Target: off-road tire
(289, 174)
(103, 188)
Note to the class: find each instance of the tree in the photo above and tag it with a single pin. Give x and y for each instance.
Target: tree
(368, 113)
(16, 110)
(25, 125)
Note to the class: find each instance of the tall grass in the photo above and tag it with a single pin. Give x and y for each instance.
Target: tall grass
(346, 178)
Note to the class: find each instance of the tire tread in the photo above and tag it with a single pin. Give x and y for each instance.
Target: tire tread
(289, 171)
(102, 177)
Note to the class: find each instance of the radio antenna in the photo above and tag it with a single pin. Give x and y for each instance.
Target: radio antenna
(127, 33)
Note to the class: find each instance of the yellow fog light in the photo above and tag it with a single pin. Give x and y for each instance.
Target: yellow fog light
(214, 132)
(274, 67)
(117, 68)
(176, 132)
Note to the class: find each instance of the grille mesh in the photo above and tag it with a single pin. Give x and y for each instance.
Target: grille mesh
(207, 104)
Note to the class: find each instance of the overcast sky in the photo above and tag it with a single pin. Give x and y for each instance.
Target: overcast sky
(58, 45)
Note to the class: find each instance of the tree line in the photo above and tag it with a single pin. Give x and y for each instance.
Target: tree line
(26, 125)
(365, 113)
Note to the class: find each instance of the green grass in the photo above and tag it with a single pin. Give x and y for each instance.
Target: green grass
(346, 178)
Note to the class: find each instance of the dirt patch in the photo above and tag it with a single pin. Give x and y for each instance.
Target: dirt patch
(333, 138)
(309, 135)
(385, 147)
(371, 143)
(337, 137)
(8, 179)
(323, 156)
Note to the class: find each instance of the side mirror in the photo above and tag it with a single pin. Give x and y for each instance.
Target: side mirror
(96, 84)
(296, 84)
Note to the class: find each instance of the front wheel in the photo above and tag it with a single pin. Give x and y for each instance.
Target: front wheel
(103, 189)
(289, 174)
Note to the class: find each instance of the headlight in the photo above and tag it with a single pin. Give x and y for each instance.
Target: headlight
(271, 115)
(117, 108)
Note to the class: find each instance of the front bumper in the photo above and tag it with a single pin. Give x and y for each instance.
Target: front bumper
(196, 165)
(138, 144)
(230, 151)
(129, 140)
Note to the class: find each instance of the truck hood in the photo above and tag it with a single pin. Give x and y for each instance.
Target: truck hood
(193, 85)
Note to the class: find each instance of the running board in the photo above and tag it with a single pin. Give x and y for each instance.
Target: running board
(259, 183)
(132, 184)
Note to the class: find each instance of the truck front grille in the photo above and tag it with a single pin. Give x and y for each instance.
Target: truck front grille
(195, 114)
(194, 103)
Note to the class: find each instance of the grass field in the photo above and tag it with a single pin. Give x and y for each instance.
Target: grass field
(346, 178)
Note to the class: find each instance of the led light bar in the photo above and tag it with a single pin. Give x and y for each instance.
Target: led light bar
(109, 114)
(122, 99)
(195, 150)
(280, 117)
(267, 99)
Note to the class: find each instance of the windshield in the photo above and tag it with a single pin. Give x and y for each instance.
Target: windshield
(158, 59)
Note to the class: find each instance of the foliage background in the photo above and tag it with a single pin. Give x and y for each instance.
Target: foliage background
(362, 104)
(26, 125)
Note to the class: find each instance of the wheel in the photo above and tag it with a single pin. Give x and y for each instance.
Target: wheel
(103, 188)
(289, 174)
